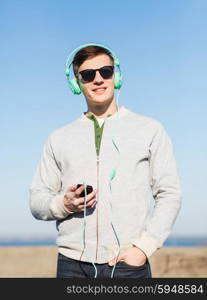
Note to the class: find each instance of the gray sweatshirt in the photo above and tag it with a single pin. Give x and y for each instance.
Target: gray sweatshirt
(137, 204)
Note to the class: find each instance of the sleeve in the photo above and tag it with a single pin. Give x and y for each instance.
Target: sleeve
(46, 198)
(166, 191)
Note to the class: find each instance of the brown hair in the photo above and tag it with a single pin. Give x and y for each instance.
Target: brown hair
(85, 53)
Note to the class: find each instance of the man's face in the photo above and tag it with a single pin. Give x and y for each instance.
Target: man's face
(99, 91)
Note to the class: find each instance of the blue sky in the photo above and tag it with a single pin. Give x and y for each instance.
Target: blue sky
(162, 47)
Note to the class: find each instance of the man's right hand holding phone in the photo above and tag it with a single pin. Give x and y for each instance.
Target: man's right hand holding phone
(73, 202)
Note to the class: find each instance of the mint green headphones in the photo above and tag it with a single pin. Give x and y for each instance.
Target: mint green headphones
(73, 83)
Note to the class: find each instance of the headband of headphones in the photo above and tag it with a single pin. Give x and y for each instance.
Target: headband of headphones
(73, 83)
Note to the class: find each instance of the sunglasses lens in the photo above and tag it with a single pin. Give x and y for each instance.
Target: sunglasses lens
(88, 75)
(107, 72)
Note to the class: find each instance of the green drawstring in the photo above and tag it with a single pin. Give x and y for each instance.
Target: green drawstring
(111, 177)
(84, 228)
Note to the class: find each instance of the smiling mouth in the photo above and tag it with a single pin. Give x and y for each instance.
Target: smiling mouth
(99, 90)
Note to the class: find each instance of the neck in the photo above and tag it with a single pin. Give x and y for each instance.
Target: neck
(102, 111)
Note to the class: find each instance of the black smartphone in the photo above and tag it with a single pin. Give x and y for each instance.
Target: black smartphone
(89, 189)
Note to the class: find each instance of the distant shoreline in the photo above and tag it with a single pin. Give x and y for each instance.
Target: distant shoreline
(172, 241)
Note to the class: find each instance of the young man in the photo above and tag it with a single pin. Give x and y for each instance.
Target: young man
(127, 158)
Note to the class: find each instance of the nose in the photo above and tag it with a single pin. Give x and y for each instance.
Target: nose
(98, 78)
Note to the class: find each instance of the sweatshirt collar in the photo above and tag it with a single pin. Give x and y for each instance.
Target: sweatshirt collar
(117, 115)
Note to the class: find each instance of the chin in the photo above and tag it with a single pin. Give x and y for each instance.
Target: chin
(100, 100)
(102, 103)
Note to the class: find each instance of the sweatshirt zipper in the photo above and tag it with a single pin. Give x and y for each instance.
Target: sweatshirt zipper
(97, 199)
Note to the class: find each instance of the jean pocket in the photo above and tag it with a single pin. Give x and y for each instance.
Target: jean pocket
(125, 264)
(125, 270)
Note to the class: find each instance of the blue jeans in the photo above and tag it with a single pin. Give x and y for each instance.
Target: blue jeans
(70, 268)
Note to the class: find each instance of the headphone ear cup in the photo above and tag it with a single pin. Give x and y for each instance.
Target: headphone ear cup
(74, 86)
(117, 80)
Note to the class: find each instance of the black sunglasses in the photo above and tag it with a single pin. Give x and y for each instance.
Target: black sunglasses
(88, 75)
